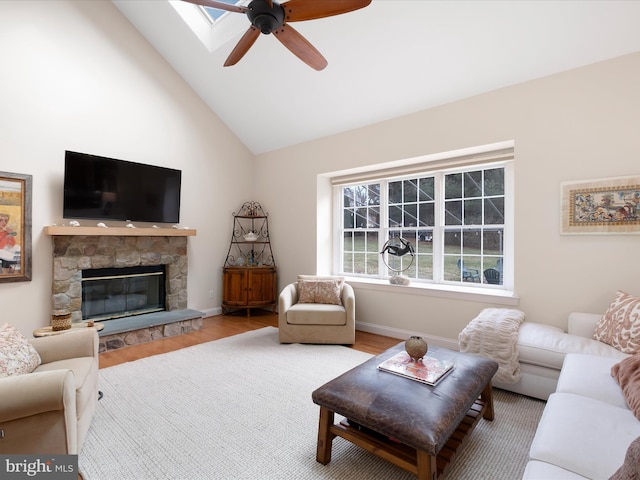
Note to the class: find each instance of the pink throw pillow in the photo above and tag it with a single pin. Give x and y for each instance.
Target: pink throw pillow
(627, 374)
(620, 324)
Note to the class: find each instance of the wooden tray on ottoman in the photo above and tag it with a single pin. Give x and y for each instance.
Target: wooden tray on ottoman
(437, 418)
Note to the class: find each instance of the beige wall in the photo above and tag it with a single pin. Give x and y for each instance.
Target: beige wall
(580, 124)
(78, 76)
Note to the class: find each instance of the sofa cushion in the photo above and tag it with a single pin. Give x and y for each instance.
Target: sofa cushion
(545, 345)
(319, 291)
(536, 470)
(17, 355)
(627, 374)
(316, 314)
(590, 376)
(620, 324)
(583, 435)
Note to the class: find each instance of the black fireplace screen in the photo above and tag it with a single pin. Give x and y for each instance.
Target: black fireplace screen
(109, 293)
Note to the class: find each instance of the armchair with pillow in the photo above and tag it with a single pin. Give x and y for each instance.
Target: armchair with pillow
(48, 391)
(317, 309)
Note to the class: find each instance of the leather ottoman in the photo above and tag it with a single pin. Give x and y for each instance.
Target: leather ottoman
(415, 426)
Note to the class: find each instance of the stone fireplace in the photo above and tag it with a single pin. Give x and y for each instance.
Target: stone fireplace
(75, 253)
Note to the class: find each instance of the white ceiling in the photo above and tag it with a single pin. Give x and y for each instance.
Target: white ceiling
(391, 58)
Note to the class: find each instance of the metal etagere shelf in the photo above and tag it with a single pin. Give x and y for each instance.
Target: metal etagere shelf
(250, 244)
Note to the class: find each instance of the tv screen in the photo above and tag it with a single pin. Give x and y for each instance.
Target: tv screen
(103, 188)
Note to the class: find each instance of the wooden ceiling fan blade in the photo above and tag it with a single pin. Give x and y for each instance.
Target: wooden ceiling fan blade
(300, 47)
(218, 5)
(243, 46)
(299, 10)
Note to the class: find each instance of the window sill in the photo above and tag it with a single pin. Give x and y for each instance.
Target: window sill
(470, 294)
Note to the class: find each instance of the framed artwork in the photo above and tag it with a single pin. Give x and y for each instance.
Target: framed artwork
(604, 206)
(15, 227)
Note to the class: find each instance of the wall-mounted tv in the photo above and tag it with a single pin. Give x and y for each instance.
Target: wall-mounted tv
(103, 188)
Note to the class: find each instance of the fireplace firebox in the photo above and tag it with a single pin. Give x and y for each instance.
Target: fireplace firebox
(109, 293)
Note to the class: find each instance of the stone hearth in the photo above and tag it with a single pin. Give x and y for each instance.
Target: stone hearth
(124, 339)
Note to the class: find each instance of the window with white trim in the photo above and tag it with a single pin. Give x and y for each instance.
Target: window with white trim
(450, 225)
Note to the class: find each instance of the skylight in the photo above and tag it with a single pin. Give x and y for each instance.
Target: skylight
(212, 26)
(214, 14)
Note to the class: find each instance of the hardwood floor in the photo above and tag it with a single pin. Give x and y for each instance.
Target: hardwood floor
(214, 328)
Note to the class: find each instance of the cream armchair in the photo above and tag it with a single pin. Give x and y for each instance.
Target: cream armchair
(50, 409)
(326, 323)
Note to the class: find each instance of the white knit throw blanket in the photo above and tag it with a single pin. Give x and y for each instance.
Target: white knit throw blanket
(493, 334)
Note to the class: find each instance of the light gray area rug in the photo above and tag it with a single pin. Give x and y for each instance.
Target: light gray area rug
(241, 408)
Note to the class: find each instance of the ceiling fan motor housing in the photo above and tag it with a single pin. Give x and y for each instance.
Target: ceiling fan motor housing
(265, 18)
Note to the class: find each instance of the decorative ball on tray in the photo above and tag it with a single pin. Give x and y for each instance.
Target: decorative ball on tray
(416, 347)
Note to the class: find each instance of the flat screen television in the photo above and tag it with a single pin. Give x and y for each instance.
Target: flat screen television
(102, 188)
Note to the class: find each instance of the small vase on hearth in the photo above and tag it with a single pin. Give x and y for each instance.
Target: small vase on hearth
(416, 347)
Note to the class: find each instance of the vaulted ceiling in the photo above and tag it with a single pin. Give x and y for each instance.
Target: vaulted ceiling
(391, 58)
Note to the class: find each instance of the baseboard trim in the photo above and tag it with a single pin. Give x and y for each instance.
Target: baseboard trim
(404, 334)
(212, 312)
(383, 330)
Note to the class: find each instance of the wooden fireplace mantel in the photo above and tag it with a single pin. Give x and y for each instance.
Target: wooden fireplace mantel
(55, 230)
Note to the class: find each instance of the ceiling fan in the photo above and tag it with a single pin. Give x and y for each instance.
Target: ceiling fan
(268, 16)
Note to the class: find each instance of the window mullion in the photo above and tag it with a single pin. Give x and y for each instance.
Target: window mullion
(338, 240)
(383, 234)
(438, 229)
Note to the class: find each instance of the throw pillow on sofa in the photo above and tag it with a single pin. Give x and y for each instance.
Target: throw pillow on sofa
(17, 355)
(627, 374)
(620, 324)
(630, 469)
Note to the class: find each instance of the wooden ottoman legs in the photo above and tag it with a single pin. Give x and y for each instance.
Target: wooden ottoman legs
(487, 396)
(425, 466)
(325, 437)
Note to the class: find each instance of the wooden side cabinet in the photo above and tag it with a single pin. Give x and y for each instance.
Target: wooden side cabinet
(248, 287)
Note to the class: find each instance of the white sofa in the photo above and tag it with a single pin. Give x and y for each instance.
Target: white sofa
(542, 350)
(587, 427)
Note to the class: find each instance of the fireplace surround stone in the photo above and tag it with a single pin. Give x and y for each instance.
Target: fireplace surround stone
(74, 253)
